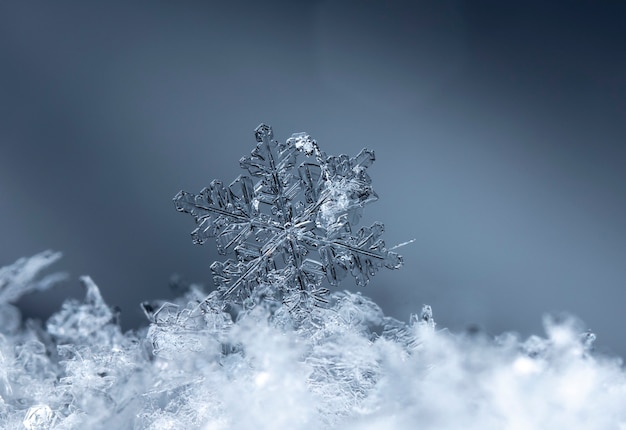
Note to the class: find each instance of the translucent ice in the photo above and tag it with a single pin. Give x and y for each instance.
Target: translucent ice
(77, 321)
(21, 277)
(39, 417)
(291, 226)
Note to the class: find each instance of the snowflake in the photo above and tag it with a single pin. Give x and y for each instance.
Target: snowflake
(292, 228)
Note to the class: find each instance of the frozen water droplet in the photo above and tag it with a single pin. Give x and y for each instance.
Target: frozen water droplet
(426, 316)
(82, 320)
(304, 143)
(39, 417)
(587, 339)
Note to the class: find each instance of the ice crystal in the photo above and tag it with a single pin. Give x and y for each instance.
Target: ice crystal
(21, 278)
(291, 226)
(77, 321)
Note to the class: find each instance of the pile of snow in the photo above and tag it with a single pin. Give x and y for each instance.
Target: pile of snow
(203, 363)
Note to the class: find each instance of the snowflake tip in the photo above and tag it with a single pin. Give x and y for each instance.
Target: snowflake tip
(262, 132)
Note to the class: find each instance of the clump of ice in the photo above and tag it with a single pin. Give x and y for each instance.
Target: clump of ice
(202, 364)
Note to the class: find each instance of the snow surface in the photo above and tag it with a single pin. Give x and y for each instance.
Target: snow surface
(345, 366)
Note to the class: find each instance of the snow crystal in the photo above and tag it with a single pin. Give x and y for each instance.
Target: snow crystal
(292, 227)
(20, 278)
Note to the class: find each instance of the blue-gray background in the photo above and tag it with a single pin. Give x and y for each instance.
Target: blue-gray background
(499, 129)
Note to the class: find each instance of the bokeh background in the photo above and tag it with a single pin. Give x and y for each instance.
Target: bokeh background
(499, 129)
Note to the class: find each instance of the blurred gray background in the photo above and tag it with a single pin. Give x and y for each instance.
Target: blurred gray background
(499, 129)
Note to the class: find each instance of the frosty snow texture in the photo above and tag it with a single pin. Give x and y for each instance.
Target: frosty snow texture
(347, 366)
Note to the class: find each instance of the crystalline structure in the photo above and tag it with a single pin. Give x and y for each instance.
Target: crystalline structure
(289, 224)
(20, 278)
(77, 320)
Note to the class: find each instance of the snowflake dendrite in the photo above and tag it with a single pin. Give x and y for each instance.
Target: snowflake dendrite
(288, 225)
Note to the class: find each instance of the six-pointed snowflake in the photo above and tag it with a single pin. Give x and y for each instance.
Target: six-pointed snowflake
(290, 227)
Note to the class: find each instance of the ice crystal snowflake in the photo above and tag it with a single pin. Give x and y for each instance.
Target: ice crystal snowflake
(292, 227)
